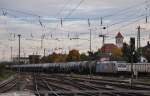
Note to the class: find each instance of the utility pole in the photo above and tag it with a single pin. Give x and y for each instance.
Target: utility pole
(101, 21)
(19, 63)
(61, 22)
(103, 36)
(42, 40)
(11, 48)
(139, 37)
(146, 17)
(147, 10)
(41, 43)
(44, 51)
(19, 49)
(90, 41)
(89, 24)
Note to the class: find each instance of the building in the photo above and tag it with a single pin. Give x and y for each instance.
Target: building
(119, 40)
(107, 48)
(23, 60)
(146, 53)
(34, 59)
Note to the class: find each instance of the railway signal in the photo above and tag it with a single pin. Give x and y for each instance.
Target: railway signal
(132, 52)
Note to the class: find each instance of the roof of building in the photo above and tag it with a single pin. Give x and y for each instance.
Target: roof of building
(108, 47)
(119, 35)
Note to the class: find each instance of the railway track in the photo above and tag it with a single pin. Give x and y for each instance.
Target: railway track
(40, 85)
(125, 83)
(36, 87)
(100, 84)
(77, 85)
(54, 86)
(8, 85)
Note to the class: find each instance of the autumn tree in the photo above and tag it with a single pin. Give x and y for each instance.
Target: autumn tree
(117, 53)
(73, 55)
(57, 57)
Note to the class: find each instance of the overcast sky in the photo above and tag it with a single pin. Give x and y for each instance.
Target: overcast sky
(22, 18)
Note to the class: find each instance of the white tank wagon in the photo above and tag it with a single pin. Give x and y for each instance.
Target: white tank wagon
(139, 67)
(110, 67)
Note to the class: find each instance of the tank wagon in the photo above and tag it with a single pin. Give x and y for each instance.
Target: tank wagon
(110, 67)
(139, 67)
(84, 67)
(66, 67)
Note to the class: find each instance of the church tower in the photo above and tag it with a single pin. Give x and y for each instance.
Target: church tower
(119, 40)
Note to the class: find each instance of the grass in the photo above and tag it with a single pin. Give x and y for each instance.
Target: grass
(5, 73)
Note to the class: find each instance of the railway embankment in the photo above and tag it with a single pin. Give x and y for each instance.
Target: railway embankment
(5, 73)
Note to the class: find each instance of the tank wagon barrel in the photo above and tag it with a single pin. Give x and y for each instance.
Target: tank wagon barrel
(84, 67)
(66, 67)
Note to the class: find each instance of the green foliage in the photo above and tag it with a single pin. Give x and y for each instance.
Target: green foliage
(95, 55)
(2, 69)
(83, 57)
(54, 58)
(128, 55)
(146, 53)
(4, 72)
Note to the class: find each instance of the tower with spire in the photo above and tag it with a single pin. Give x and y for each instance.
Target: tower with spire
(119, 40)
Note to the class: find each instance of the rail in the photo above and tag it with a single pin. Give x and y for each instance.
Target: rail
(95, 92)
(8, 84)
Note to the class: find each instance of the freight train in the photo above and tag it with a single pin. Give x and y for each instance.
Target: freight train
(84, 67)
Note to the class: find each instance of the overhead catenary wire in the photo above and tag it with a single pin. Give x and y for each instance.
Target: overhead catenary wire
(114, 24)
(121, 11)
(118, 23)
(63, 8)
(21, 12)
(36, 15)
(129, 23)
(74, 9)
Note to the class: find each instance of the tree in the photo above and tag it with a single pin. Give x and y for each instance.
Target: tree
(57, 57)
(129, 55)
(73, 55)
(95, 55)
(146, 53)
(117, 53)
(44, 59)
(83, 57)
